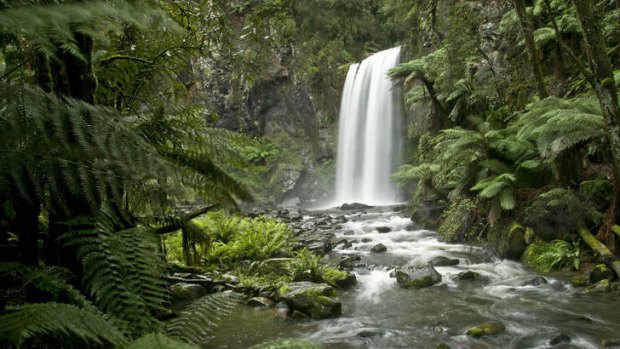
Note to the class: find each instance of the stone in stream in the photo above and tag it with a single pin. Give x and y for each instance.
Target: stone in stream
(442, 346)
(354, 206)
(319, 301)
(378, 248)
(559, 338)
(486, 329)
(610, 342)
(260, 302)
(603, 286)
(417, 277)
(468, 275)
(537, 281)
(442, 261)
(383, 230)
(184, 292)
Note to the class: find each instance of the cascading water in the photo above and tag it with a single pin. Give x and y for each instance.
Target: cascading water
(369, 131)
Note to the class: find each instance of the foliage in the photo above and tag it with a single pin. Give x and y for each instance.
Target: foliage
(257, 239)
(547, 256)
(68, 324)
(306, 266)
(193, 324)
(556, 212)
(458, 219)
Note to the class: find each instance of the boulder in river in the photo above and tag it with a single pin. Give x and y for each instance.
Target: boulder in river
(468, 275)
(383, 230)
(185, 292)
(378, 248)
(603, 286)
(488, 328)
(354, 206)
(442, 261)
(260, 302)
(559, 338)
(536, 281)
(318, 301)
(417, 277)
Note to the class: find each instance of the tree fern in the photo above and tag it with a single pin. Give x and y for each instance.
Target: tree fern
(557, 124)
(193, 325)
(70, 325)
(54, 26)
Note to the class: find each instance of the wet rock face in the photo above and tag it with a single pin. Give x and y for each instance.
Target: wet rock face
(442, 261)
(417, 277)
(318, 301)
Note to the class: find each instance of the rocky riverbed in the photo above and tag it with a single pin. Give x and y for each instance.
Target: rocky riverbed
(414, 291)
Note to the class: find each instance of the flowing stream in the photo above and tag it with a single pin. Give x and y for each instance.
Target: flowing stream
(377, 313)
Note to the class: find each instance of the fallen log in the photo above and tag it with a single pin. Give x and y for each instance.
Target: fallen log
(599, 247)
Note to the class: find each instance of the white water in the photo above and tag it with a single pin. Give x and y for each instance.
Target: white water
(369, 132)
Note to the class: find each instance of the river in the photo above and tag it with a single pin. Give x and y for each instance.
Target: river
(377, 313)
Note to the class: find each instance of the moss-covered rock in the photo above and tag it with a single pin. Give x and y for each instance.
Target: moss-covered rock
(579, 280)
(318, 301)
(603, 286)
(486, 329)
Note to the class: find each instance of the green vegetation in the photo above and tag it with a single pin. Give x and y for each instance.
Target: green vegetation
(547, 256)
(497, 148)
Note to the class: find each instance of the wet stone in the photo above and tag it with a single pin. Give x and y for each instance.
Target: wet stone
(537, 281)
(442, 261)
(417, 277)
(378, 248)
(383, 230)
(559, 338)
(468, 275)
(486, 329)
(260, 302)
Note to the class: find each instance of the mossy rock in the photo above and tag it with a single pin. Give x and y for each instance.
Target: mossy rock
(318, 301)
(489, 328)
(419, 277)
(601, 272)
(442, 346)
(579, 280)
(603, 286)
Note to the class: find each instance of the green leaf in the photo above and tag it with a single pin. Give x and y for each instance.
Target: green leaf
(506, 199)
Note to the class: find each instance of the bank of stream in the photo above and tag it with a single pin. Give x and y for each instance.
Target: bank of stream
(537, 311)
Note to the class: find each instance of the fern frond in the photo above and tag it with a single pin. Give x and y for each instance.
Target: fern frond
(70, 325)
(193, 324)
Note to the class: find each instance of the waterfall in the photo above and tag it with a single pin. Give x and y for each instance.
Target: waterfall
(370, 132)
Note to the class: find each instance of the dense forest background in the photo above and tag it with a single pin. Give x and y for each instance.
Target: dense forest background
(122, 121)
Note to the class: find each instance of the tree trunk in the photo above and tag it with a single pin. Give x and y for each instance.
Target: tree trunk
(605, 88)
(527, 29)
(600, 248)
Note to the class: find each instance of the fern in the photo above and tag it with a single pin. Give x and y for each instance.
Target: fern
(70, 325)
(557, 125)
(193, 324)
(123, 273)
(52, 26)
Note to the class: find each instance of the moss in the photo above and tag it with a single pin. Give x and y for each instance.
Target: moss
(331, 276)
(457, 220)
(486, 329)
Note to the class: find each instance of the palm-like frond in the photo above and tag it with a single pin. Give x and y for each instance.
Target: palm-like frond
(192, 325)
(557, 124)
(123, 272)
(72, 326)
(49, 27)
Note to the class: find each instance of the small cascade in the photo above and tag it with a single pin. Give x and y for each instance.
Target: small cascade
(370, 132)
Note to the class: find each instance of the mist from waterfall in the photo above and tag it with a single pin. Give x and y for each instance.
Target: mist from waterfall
(370, 132)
